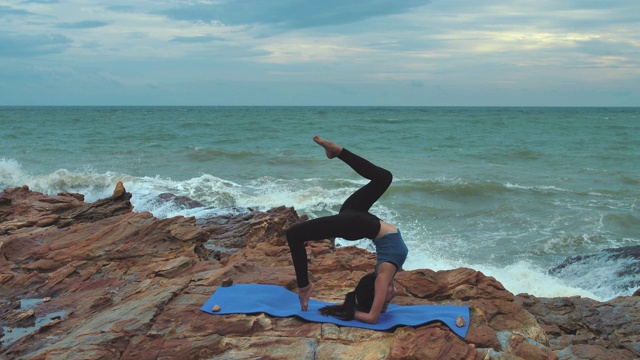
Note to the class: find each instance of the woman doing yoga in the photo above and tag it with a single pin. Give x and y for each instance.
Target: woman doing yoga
(374, 291)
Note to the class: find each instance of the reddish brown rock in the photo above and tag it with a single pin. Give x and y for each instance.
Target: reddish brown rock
(429, 342)
(127, 285)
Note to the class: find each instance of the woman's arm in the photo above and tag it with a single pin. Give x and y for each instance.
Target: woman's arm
(386, 271)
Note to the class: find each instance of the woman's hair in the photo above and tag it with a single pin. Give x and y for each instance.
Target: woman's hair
(361, 298)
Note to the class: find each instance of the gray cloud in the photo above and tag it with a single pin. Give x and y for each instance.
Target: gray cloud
(606, 48)
(29, 45)
(120, 8)
(195, 39)
(291, 14)
(87, 24)
(9, 11)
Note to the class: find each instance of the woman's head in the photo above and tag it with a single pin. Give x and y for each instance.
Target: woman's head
(365, 292)
(361, 298)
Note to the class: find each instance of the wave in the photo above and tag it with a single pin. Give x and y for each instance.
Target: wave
(458, 187)
(537, 188)
(200, 153)
(11, 172)
(448, 187)
(611, 272)
(315, 197)
(462, 187)
(525, 277)
(451, 243)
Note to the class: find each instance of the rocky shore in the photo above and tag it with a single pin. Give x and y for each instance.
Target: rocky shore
(99, 281)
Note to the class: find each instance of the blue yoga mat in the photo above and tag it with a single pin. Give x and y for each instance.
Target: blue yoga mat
(278, 301)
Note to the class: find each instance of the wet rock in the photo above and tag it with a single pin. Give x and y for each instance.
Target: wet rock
(20, 318)
(577, 325)
(183, 202)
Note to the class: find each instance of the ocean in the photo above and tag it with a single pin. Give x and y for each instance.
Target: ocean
(509, 191)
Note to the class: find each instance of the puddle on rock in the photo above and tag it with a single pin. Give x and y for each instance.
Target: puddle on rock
(26, 304)
(19, 332)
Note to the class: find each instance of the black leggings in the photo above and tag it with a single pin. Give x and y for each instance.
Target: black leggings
(353, 222)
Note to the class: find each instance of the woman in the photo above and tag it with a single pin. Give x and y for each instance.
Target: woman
(353, 222)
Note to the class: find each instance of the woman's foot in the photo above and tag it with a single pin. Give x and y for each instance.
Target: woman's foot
(332, 149)
(304, 294)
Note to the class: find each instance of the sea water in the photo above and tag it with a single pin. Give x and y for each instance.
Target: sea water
(509, 191)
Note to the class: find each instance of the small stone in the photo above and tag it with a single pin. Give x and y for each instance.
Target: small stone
(227, 282)
(47, 299)
(216, 308)
(9, 330)
(460, 321)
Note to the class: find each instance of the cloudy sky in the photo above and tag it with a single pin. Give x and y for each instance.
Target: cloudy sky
(328, 52)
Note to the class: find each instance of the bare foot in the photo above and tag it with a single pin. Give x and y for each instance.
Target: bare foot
(304, 294)
(332, 149)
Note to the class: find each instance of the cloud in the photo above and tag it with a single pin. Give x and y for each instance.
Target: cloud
(607, 48)
(41, 1)
(306, 48)
(6, 11)
(195, 39)
(32, 45)
(120, 8)
(87, 24)
(291, 14)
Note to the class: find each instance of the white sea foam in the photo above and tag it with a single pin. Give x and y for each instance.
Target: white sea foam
(11, 173)
(523, 277)
(602, 274)
(536, 187)
(519, 277)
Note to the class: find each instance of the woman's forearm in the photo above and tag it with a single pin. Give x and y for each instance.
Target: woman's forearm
(369, 318)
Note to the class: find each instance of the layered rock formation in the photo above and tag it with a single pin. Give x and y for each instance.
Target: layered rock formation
(98, 281)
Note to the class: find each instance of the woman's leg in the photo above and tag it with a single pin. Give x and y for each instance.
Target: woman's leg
(351, 225)
(343, 225)
(315, 229)
(365, 197)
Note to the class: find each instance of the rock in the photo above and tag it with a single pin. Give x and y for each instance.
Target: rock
(181, 201)
(5, 199)
(128, 285)
(20, 318)
(582, 325)
(118, 191)
(216, 308)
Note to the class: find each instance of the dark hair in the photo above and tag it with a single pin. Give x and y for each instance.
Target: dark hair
(361, 298)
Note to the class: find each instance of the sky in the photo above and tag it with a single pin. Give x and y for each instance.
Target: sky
(329, 52)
